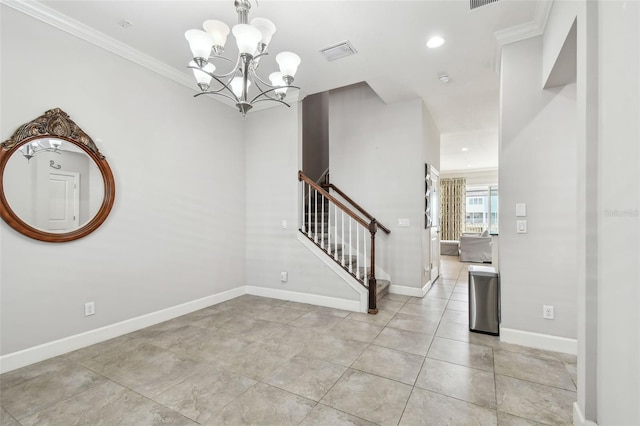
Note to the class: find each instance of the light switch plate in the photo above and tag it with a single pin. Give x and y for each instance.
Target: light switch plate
(284, 224)
(404, 223)
(521, 226)
(521, 210)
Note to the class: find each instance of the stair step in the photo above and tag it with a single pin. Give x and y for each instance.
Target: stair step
(313, 205)
(382, 288)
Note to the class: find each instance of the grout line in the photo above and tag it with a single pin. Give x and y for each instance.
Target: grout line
(367, 346)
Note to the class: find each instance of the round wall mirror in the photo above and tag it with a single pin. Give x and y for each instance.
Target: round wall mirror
(55, 185)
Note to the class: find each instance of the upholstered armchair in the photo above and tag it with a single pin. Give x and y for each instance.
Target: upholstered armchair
(476, 247)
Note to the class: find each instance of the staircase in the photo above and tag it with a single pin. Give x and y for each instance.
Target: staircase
(342, 235)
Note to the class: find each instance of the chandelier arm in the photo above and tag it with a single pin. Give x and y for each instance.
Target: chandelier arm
(216, 93)
(256, 76)
(224, 58)
(233, 71)
(272, 89)
(259, 55)
(218, 79)
(271, 99)
(229, 89)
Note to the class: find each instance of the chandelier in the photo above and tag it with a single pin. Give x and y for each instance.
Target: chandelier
(30, 149)
(252, 39)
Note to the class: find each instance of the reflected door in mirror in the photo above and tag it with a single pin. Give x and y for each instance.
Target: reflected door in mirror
(54, 191)
(55, 185)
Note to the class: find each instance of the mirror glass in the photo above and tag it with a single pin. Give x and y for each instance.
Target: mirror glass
(52, 185)
(55, 185)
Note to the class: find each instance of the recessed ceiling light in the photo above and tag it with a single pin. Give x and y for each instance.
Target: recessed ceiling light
(444, 78)
(464, 149)
(434, 42)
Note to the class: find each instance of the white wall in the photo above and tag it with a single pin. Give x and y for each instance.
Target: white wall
(587, 218)
(430, 148)
(377, 154)
(273, 158)
(558, 26)
(430, 144)
(618, 330)
(537, 167)
(177, 229)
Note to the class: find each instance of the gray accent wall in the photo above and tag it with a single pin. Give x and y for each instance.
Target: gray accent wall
(315, 135)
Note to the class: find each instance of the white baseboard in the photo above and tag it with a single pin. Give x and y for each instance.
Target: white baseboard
(313, 299)
(410, 291)
(578, 417)
(48, 350)
(540, 341)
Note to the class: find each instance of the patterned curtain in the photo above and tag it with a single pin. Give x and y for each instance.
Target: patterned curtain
(453, 193)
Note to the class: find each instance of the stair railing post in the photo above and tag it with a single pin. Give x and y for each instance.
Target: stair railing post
(373, 309)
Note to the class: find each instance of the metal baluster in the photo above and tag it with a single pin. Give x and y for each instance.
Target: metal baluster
(350, 248)
(335, 225)
(329, 227)
(322, 213)
(364, 251)
(303, 226)
(342, 211)
(315, 219)
(309, 213)
(358, 251)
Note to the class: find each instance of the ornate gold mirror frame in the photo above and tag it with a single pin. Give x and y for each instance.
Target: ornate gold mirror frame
(55, 123)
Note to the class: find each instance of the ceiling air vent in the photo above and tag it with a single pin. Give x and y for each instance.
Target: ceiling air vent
(474, 4)
(339, 50)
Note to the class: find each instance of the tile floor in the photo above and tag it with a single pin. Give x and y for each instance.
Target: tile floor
(262, 361)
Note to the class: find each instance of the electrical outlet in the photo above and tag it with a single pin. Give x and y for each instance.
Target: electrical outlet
(89, 309)
(284, 277)
(547, 312)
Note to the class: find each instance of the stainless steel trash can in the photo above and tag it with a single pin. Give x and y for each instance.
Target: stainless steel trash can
(484, 300)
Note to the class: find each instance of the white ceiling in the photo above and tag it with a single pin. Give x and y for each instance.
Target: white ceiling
(389, 36)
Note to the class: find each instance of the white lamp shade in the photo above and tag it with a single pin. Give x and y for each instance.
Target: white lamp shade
(266, 28)
(199, 42)
(217, 30)
(247, 38)
(276, 80)
(236, 86)
(200, 76)
(288, 63)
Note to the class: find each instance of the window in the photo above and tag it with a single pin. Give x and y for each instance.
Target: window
(482, 209)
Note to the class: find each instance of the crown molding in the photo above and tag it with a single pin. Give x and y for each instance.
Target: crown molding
(63, 22)
(84, 32)
(480, 170)
(521, 32)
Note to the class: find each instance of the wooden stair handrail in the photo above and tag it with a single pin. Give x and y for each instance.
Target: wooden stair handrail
(347, 210)
(356, 205)
(372, 226)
